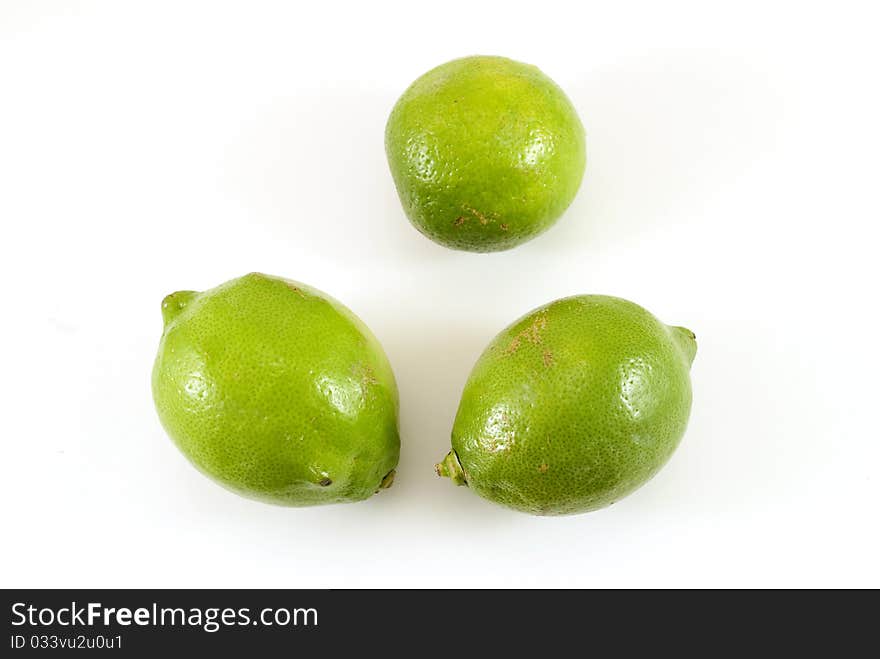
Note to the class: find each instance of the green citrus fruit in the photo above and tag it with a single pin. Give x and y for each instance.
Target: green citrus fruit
(572, 407)
(277, 391)
(485, 152)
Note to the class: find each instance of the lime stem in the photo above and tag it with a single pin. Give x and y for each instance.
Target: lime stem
(174, 303)
(388, 480)
(451, 468)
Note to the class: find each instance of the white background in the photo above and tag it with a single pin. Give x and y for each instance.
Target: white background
(732, 187)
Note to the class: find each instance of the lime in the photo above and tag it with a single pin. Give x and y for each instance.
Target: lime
(572, 407)
(486, 153)
(277, 392)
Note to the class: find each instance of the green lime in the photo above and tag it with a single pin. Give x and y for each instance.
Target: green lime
(277, 392)
(572, 407)
(486, 153)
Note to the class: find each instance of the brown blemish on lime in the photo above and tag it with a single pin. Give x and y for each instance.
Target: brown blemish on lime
(543, 468)
(482, 217)
(325, 482)
(504, 227)
(297, 290)
(459, 220)
(532, 334)
(548, 358)
(367, 379)
(365, 372)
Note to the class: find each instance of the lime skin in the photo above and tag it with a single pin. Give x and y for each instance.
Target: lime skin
(277, 392)
(486, 153)
(572, 407)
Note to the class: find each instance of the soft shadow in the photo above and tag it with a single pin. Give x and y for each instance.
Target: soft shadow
(431, 366)
(306, 165)
(666, 133)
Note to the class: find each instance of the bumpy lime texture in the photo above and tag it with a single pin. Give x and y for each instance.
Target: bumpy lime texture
(485, 152)
(277, 391)
(572, 407)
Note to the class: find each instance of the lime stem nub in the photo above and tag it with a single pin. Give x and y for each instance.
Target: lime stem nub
(388, 480)
(451, 468)
(687, 342)
(174, 303)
